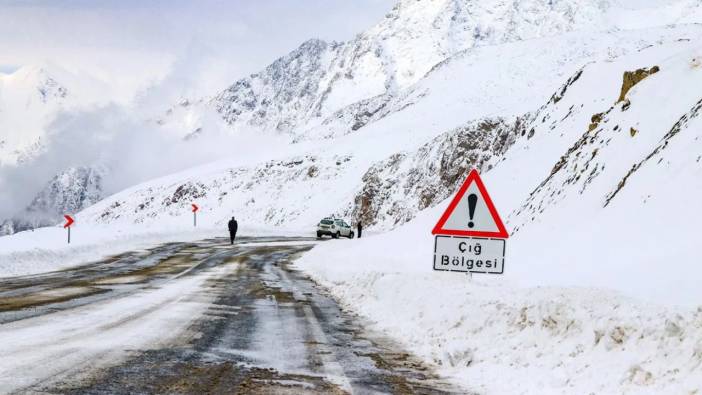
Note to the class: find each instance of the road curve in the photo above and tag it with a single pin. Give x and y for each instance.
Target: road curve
(202, 317)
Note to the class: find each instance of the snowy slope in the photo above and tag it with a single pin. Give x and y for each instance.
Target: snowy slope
(632, 177)
(512, 335)
(341, 174)
(586, 184)
(597, 213)
(318, 82)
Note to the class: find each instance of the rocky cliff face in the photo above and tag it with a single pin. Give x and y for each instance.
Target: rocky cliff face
(394, 190)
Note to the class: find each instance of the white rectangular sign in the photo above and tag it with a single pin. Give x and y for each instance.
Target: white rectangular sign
(469, 254)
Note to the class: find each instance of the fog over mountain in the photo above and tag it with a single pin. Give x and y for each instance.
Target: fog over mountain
(60, 109)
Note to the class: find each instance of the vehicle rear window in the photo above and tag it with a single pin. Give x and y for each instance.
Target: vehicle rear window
(327, 222)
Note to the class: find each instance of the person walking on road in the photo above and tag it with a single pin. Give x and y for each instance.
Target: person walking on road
(233, 227)
(359, 228)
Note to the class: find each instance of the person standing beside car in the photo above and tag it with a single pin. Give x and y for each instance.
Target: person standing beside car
(359, 228)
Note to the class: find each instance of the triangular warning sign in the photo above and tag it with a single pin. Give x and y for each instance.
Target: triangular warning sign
(471, 213)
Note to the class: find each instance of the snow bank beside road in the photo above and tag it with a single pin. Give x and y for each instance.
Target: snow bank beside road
(494, 336)
(601, 199)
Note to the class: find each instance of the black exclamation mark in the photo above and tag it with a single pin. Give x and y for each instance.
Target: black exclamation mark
(472, 201)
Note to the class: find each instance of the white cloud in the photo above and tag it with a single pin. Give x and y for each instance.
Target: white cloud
(149, 55)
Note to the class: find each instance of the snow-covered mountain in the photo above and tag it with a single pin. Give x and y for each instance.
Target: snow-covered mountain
(68, 192)
(32, 99)
(585, 121)
(320, 82)
(383, 126)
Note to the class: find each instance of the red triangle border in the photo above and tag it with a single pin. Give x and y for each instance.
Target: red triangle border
(472, 177)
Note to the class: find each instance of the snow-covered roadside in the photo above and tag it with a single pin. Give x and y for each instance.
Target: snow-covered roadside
(494, 336)
(46, 249)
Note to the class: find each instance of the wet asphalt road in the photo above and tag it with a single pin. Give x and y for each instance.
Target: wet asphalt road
(196, 318)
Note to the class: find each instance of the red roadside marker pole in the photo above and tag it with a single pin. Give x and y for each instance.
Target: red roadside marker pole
(195, 208)
(67, 225)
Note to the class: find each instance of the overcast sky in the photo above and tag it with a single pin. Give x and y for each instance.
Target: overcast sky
(210, 43)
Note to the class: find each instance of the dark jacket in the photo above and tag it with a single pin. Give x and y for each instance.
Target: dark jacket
(233, 226)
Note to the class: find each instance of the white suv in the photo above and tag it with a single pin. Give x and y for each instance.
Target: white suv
(334, 228)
